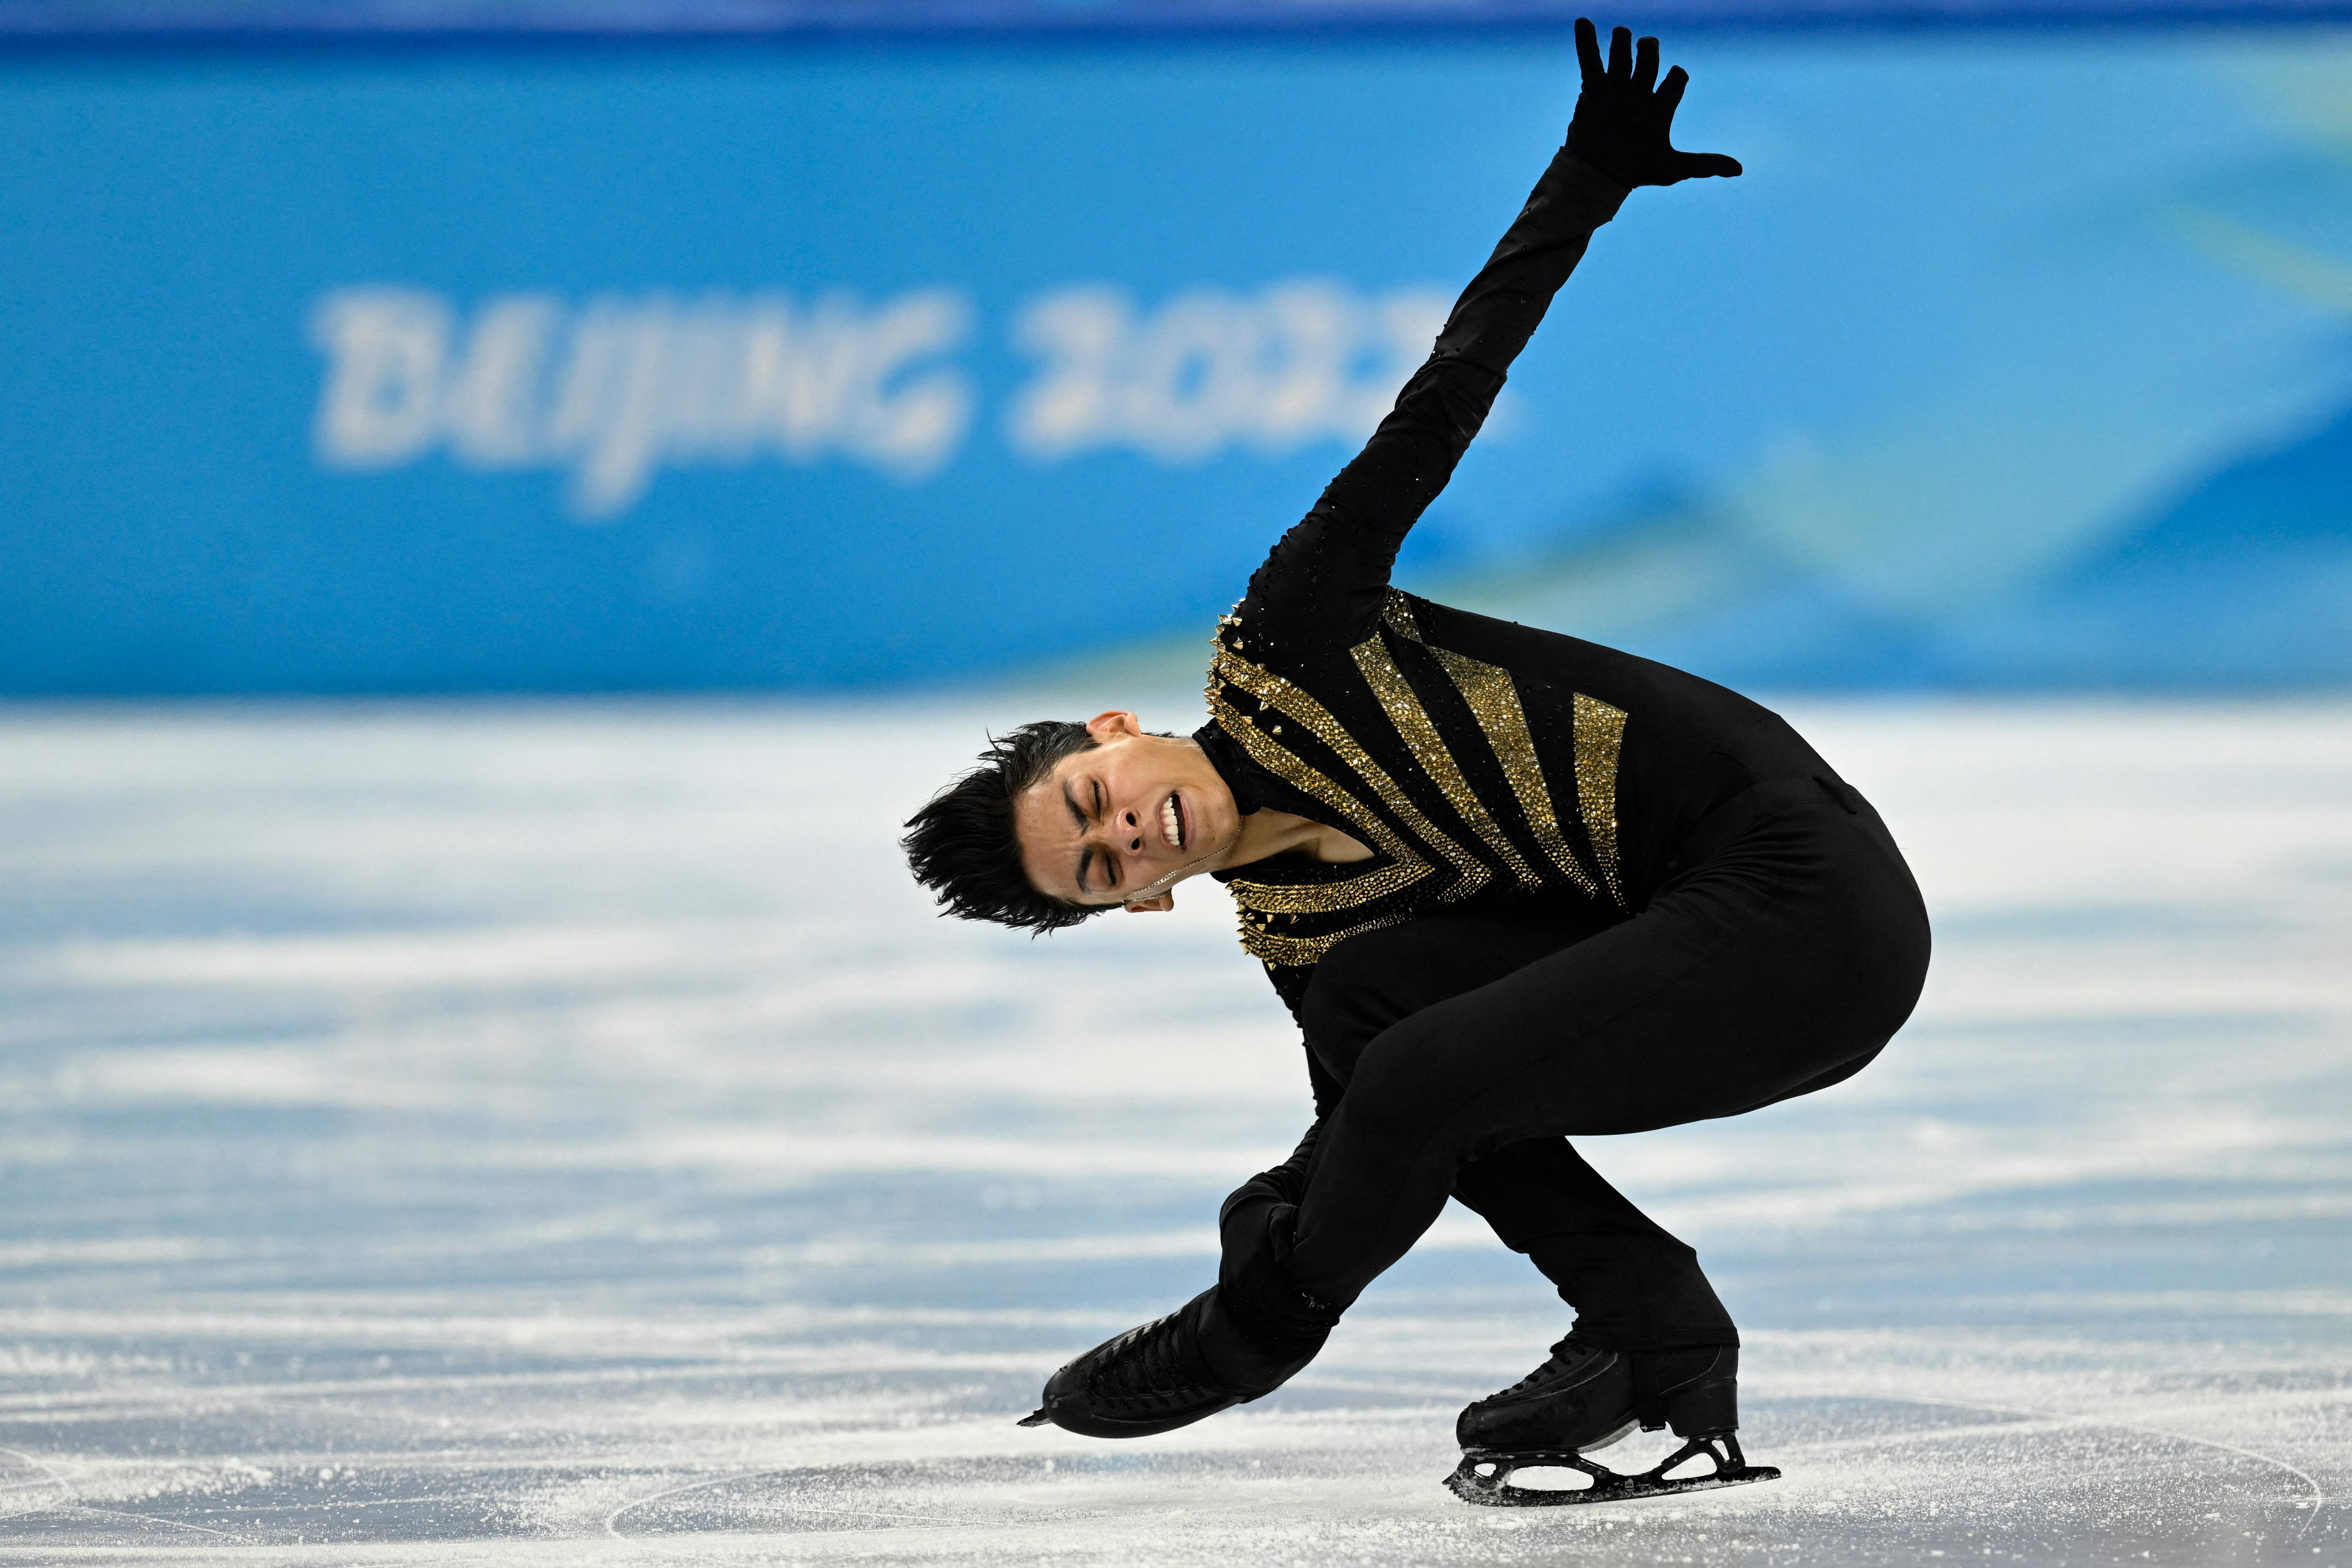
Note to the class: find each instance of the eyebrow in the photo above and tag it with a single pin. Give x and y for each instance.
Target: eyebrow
(1086, 856)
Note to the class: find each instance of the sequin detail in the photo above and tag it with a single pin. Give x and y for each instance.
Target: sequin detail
(1421, 737)
(1405, 869)
(1263, 899)
(1494, 701)
(1470, 873)
(1267, 948)
(1398, 613)
(1318, 897)
(1600, 737)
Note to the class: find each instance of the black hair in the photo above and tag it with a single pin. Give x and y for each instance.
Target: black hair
(961, 844)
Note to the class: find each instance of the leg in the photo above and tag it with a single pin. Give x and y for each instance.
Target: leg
(1793, 953)
(1635, 1286)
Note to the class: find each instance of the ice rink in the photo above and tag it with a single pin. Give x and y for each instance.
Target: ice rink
(559, 1133)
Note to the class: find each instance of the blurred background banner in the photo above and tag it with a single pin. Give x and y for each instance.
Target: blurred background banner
(2019, 360)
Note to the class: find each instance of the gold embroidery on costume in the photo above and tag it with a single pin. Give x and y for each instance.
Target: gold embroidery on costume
(1411, 721)
(1216, 652)
(1267, 948)
(1264, 900)
(1271, 912)
(1291, 702)
(1599, 736)
(1407, 869)
(1398, 613)
(1494, 701)
(1319, 897)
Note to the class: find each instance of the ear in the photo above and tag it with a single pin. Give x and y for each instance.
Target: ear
(1117, 721)
(1159, 906)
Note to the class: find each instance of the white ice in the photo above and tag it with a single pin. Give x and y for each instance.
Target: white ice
(559, 1132)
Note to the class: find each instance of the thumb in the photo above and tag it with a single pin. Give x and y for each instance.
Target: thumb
(1704, 165)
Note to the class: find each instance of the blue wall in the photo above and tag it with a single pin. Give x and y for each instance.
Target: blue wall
(2014, 362)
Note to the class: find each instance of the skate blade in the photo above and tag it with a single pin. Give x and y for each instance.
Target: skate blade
(1613, 1438)
(1037, 1417)
(1493, 1488)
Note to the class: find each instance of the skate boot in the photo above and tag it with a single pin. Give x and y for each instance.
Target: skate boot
(1585, 1398)
(1170, 1373)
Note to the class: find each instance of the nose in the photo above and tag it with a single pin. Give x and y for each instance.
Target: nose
(1131, 828)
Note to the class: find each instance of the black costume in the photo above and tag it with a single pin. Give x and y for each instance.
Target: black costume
(1605, 895)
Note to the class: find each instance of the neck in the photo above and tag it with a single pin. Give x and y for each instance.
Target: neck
(1267, 833)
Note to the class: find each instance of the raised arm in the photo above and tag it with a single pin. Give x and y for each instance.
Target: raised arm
(1333, 567)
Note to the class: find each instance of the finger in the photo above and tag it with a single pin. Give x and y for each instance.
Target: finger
(1646, 64)
(1587, 50)
(1670, 91)
(1621, 53)
(1707, 165)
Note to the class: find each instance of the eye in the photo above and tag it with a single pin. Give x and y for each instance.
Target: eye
(1098, 800)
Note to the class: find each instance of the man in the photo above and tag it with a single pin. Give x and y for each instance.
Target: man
(1515, 887)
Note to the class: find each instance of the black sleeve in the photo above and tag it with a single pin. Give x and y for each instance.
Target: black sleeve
(1331, 571)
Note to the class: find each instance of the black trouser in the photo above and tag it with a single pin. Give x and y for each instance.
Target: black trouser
(1472, 1047)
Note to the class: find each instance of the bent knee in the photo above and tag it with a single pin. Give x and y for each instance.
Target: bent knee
(1371, 984)
(1409, 1084)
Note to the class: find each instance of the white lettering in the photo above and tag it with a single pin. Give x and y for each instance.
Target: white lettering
(610, 393)
(490, 407)
(799, 372)
(1310, 389)
(911, 427)
(616, 391)
(385, 349)
(1081, 334)
(1209, 371)
(607, 421)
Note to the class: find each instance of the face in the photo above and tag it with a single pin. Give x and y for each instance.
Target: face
(1123, 821)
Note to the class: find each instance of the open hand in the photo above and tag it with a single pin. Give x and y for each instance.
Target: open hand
(1625, 116)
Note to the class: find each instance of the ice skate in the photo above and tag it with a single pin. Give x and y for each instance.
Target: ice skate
(1170, 1373)
(1583, 1399)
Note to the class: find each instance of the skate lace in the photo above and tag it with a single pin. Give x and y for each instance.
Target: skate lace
(1145, 1368)
(1565, 1357)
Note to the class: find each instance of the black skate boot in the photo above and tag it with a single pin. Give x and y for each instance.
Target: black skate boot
(1170, 1373)
(1585, 1398)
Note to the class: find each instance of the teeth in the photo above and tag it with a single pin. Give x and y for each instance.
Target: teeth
(1171, 824)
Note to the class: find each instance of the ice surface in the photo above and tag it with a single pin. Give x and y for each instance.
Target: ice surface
(521, 1133)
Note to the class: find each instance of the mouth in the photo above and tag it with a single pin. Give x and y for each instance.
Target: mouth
(1172, 826)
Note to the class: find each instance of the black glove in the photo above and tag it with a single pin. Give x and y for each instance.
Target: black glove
(1622, 127)
(1255, 1227)
(1256, 1230)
